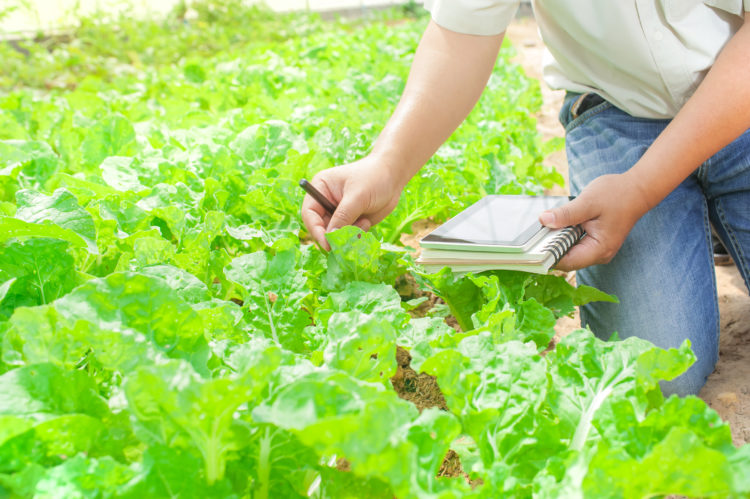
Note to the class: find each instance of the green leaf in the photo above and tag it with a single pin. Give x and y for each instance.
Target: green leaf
(39, 271)
(379, 300)
(690, 412)
(591, 377)
(507, 314)
(152, 251)
(242, 358)
(5, 287)
(49, 390)
(362, 346)
(201, 413)
(172, 472)
(685, 465)
(336, 414)
(46, 441)
(273, 292)
(462, 296)
(83, 477)
(357, 256)
(273, 204)
(501, 288)
(187, 286)
(420, 334)
(535, 323)
(118, 173)
(35, 160)
(67, 416)
(129, 217)
(496, 389)
(194, 73)
(557, 294)
(345, 485)
(61, 209)
(260, 146)
(740, 464)
(40, 334)
(84, 190)
(11, 228)
(23, 483)
(10, 426)
(112, 136)
(174, 205)
(126, 302)
(281, 466)
(44, 334)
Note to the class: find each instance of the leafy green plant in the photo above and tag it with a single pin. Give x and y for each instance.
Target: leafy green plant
(167, 330)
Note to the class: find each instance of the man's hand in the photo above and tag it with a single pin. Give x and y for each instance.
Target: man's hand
(449, 73)
(608, 208)
(716, 114)
(365, 192)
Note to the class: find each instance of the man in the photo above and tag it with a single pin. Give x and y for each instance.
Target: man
(656, 118)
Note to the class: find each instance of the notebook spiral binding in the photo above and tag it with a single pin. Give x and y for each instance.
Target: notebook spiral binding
(563, 241)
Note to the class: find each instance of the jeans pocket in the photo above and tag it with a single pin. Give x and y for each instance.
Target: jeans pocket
(577, 108)
(565, 117)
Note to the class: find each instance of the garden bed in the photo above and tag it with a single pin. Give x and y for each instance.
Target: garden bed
(167, 330)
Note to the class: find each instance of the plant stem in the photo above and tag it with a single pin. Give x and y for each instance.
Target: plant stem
(214, 463)
(269, 311)
(264, 466)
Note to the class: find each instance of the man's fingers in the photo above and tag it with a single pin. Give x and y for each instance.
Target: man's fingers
(364, 224)
(579, 256)
(319, 235)
(347, 212)
(587, 252)
(316, 227)
(316, 220)
(572, 213)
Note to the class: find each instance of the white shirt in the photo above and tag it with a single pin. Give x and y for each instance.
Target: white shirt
(644, 56)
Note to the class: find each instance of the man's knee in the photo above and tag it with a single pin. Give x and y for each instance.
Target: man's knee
(691, 381)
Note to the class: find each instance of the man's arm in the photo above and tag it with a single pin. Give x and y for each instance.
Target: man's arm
(449, 72)
(716, 114)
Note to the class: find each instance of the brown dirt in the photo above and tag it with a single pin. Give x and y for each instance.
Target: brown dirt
(419, 229)
(423, 391)
(420, 389)
(451, 466)
(728, 388)
(343, 464)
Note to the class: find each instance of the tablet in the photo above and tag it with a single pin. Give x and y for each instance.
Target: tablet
(504, 223)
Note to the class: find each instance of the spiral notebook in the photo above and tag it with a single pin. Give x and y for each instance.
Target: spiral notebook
(499, 232)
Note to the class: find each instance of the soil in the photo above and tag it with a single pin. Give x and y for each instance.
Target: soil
(451, 466)
(420, 389)
(728, 388)
(423, 391)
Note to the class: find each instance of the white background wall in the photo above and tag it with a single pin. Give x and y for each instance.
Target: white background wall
(51, 15)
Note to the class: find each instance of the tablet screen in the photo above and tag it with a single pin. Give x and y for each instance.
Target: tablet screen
(502, 220)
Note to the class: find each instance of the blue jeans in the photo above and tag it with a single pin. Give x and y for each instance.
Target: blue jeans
(664, 272)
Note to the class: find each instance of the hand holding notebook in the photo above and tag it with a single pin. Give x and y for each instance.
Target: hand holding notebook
(499, 232)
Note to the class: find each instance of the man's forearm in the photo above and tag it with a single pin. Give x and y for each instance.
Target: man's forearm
(716, 114)
(449, 73)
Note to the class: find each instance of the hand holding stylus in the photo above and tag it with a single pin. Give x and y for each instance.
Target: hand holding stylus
(361, 193)
(318, 196)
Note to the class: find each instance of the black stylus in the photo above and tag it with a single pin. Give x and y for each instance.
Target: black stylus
(318, 196)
